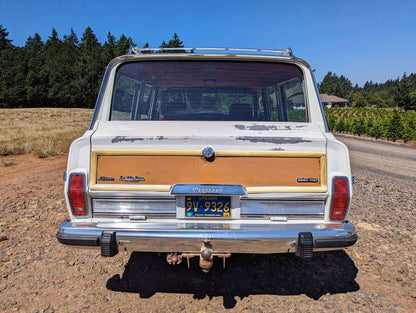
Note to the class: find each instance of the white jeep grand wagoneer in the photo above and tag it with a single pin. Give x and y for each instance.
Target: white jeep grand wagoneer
(208, 152)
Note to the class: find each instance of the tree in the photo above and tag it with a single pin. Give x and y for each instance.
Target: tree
(358, 126)
(402, 93)
(12, 77)
(4, 42)
(89, 68)
(175, 42)
(409, 127)
(394, 129)
(109, 48)
(67, 89)
(55, 69)
(334, 85)
(36, 81)
(359, 101)
(123, 45)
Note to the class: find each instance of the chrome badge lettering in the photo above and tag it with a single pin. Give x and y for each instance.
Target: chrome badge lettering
(131, 179)
(105, 178)
(207, 190)
(308, 180)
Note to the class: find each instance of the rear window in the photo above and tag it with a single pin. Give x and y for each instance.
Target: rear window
(209, 91)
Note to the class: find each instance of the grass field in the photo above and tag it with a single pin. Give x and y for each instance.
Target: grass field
(43, 131)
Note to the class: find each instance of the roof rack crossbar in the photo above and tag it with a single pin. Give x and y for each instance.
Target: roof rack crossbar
(281, 52)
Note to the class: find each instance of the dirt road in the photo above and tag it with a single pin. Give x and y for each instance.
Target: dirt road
(377, 274)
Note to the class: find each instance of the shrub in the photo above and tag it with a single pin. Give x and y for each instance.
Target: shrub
(392, 124)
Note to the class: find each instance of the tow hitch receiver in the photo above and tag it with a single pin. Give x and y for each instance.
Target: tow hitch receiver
(206, 257)
(304, 246)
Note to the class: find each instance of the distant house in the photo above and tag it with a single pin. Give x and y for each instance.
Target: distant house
(329, 101)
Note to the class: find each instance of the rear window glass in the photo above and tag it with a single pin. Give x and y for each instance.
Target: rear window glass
(209, 91)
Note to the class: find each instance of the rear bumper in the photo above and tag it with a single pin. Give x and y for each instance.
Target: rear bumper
(188, 237)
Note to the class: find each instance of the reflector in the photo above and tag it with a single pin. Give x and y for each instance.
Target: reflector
(340, 198)
(76, 195)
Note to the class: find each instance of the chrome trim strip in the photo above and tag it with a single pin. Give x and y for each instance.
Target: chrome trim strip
(128, 214)
(288, 216)
(129, 206)
(269, 207)
(186, 236)
(197, 189)
(286, 197)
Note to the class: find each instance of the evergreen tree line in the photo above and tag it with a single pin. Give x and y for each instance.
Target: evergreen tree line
(399, 92)
(58, 72)
(392, 124)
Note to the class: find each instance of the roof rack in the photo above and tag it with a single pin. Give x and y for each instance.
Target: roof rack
(281, 52)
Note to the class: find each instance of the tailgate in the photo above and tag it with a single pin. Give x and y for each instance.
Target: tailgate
(262, 157)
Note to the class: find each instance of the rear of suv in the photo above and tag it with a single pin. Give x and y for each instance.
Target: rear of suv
(206, 154)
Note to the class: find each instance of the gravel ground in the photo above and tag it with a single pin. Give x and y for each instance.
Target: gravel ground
(377, 274)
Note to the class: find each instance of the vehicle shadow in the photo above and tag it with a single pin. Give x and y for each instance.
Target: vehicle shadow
(244, 275)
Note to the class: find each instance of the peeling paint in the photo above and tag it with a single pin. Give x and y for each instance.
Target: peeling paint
(263, 127)
(274, 140)
(257, 127)
(126, 139)
(133, 139)
(277, 149)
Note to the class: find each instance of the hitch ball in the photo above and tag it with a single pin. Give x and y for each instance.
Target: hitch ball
(206, 254)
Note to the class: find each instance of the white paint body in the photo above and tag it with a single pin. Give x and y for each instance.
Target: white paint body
(311, 136)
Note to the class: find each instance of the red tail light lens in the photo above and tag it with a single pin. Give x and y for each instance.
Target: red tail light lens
(340, 198)
(76, 195)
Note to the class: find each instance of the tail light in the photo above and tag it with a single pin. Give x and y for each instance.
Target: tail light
(340, 198)
(76, 194)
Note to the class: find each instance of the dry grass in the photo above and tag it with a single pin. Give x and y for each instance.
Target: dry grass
(43, 132)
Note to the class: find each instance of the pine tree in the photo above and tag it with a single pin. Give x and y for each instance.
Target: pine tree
(68, 94)
(4, 42)
(90, 69)
(109, 49)
(340, 125)
(123, 45)
(146, 45)
(409, 127)
(36, 81)
(402, 93)
(175, 42)
(54, 68)
(12, 77)
(394, 130)
(358, 101)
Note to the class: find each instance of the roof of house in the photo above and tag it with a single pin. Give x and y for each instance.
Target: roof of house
(330, 98)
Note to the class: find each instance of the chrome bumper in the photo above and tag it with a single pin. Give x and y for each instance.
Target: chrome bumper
(188, 237)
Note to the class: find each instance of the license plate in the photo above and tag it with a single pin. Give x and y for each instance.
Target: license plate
(208, 206)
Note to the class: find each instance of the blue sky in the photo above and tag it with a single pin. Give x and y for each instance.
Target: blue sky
(363, 40)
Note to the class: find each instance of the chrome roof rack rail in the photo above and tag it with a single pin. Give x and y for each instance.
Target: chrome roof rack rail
(281, 52)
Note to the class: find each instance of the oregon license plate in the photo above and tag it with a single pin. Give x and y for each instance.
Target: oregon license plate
(208, 206)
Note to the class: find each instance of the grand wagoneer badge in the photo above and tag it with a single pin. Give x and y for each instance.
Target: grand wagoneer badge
(131, 179)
